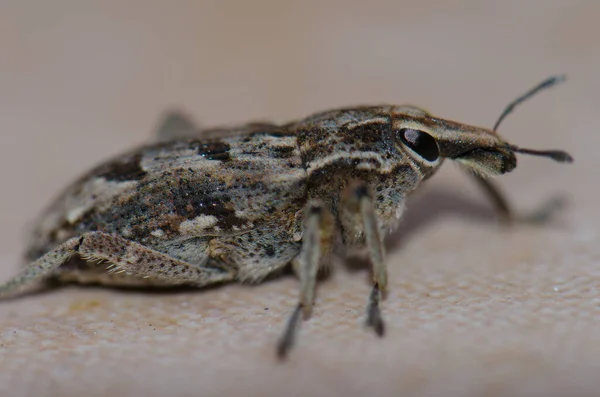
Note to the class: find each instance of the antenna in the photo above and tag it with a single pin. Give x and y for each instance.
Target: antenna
(549, 82)
(556, 155)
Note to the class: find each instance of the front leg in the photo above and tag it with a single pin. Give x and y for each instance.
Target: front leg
(358, 218)
(542, 215)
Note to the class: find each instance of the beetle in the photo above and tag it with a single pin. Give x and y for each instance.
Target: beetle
(204, 206)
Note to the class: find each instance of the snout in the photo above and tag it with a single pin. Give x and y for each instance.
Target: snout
(489, 161)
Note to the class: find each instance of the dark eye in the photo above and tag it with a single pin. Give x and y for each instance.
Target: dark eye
(420, 142)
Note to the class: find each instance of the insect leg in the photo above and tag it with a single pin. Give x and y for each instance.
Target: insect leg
(542, 215)
(40, 269)
(123, 256)
(140, 261)
(176, 125)
(496, 196)
(316, 243)
(358, 214)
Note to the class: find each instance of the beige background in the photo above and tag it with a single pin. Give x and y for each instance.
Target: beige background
(473, 309)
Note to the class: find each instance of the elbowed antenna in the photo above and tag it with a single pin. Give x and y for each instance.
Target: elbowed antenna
(549, 82)
(557, 155)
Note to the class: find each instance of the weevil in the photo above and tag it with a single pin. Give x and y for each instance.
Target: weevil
(198, 207)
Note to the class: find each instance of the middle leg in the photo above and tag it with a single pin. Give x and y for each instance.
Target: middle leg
(316, 245)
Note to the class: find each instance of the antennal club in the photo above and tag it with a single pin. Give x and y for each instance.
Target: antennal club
(550, 82)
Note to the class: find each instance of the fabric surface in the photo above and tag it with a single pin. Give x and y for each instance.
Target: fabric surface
(473, 308)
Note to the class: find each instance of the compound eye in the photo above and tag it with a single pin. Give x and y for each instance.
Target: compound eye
(421, 143)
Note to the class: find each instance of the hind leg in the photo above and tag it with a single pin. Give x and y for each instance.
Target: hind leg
(176, 125)
(40, 269)
(123, 256)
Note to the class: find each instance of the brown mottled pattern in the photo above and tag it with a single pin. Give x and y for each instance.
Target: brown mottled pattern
(187, 179)
(234, 197)
(123, 169)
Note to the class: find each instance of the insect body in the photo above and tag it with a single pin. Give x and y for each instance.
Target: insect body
(203, 207)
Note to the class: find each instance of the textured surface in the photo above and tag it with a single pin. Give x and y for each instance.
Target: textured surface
(473, 309)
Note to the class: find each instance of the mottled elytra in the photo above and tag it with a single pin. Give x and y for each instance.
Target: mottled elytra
(203, 206)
